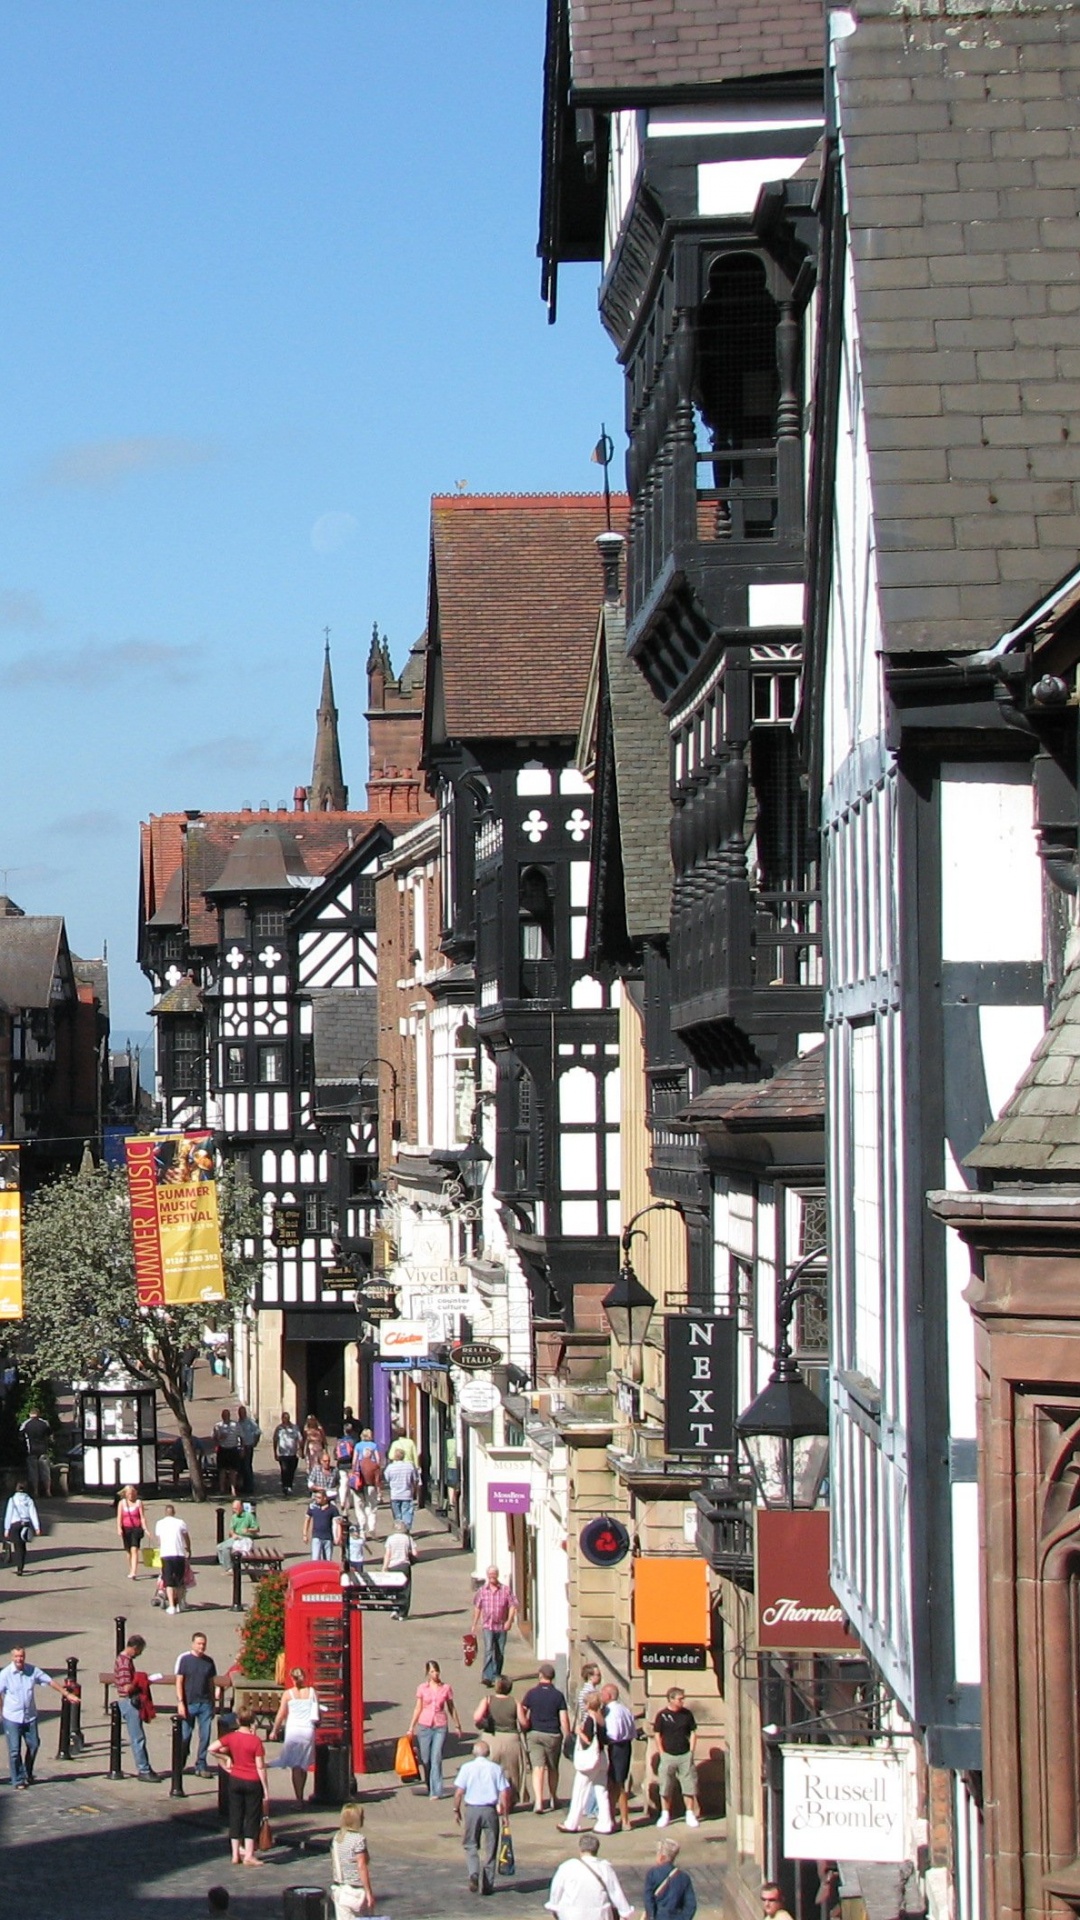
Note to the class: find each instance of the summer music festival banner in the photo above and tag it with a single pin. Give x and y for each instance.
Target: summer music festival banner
(11, 1279)
(175, 1232)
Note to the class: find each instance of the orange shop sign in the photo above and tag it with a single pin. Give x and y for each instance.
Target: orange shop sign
(797, 1607)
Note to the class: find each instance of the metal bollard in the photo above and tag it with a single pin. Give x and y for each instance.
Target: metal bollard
(121, 1631)
(237, 1583)
(63, 1745)
(219, 1523)
(116, 1748)
(77, 1741)
(176, 1782)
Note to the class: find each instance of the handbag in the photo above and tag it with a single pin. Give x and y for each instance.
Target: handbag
(504, 1859)
(266, 1839)
(587, 1759)
(485, 1723)
(405, 1760)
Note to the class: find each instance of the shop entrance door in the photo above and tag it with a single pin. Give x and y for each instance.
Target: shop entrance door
(326, 1382)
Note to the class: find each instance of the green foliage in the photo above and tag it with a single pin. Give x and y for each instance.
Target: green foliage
(262, 1636)
(81, 1307)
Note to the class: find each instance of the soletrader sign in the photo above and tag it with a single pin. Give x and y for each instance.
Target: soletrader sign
(845, 1803)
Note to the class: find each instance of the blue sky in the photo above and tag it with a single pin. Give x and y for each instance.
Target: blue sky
(269, 282)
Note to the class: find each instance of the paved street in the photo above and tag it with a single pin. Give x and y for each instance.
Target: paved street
(80, 1847)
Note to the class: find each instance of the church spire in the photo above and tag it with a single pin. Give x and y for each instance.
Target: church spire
(327, 792)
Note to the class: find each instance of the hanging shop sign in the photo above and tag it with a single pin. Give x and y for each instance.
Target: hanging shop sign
(604, 1542)
(339, 1279)
(404, 1340)
(845, 1803)
(474, 1355)
(797, 1607)
(176, 1239)
(699, 1400)
(508, 1496)
(287, 1228)
(671, 1596)
(377, 1300)
(11, 1269)
(478, 1399)
(671, 1655)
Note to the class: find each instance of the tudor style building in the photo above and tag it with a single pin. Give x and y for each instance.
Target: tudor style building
(257, 931)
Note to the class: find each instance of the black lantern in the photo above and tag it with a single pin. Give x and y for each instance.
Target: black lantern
(473, 1161)
(785, 1431)
(628, 1308)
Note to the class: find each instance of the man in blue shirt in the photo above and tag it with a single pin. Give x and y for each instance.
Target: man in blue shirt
(483, 1789)
(17, 1686)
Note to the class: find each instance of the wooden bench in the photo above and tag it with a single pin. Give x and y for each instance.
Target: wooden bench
(261, 1700)
(259, 1562)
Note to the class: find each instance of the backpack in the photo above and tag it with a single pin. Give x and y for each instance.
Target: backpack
(343, 1452)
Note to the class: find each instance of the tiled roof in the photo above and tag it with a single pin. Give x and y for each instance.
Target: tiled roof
(1039, 1130)
(958, 126)
(634, 48)
(794, 1097)
(516, 587)
(641, 753)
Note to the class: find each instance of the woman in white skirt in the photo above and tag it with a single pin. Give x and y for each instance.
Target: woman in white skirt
(299, 1715)
(590, 1768)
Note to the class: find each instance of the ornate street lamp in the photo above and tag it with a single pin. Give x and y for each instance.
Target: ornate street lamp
(785, 1431)
(629, 1306)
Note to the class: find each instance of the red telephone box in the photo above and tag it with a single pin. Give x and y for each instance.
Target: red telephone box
(315, 1641)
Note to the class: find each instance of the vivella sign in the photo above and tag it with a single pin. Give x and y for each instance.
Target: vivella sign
(797, 1607)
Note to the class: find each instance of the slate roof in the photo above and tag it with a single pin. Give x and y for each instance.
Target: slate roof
(641, 753)
(265, 859)
(793, 1098)
(959, 128)
(31, 948)
(1039, 1130)
(638, 48)
(515, 590)
(346, 1033)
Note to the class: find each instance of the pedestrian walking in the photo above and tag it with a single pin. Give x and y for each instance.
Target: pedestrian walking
(402, 1482)
(187, 1372)
(243, 1757)
(320, 1526)
(250, 1433)
(314, 1441)
(586, 1887)
(669, 1890)
(350, 1866)
(299, 1715)
(497, 1718)
(495, 1609)
(322, 1474)
(129, 1700)
(398, 1558)
(482, 1798)
(544, 1718)
(174, 1545)
(365, 1480)
(21, 1523)
(287, 1442)
(772, 1902)
(196, 1693)
(37, 1439)
(591, 1682)
(241, 1530)
(620, 1728)
(18, 1704)
(675, 1735)
(403, 1447)
(131, 1525)
(590, 1768)
(435, 1708)
(227, 1449)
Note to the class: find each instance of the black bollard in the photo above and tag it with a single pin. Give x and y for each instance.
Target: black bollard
(219, 1522)
(63, 1745)
(116, 1749)
(77, 1741)
(176, 1783)
(237, 1583)
(121, 1631)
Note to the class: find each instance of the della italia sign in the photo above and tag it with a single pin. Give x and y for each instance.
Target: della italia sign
(844, 1803)
(797, 1608)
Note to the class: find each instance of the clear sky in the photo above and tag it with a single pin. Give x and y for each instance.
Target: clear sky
(270, 281)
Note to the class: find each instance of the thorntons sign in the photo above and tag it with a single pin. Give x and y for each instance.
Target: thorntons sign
(844, 1803)
(797, 1608)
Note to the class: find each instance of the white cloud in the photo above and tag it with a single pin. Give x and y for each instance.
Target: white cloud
(96, 465)
(93, 666)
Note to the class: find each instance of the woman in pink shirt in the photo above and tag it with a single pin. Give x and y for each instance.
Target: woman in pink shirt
(434, 1706)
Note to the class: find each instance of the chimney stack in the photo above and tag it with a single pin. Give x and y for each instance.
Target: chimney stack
(610, 547)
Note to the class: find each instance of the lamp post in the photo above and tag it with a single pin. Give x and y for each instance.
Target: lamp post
(629, 1306)
(785, 1430)
(380, 1060)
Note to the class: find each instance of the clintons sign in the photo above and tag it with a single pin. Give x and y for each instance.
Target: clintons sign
(797, 1607)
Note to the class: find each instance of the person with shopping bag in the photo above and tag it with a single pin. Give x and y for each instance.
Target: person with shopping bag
(590, 1768)
(405, 1762)
(350, 1865)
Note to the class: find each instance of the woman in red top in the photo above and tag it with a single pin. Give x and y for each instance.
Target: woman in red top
(244, 1759)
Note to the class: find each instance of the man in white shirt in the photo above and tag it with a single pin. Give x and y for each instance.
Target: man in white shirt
(483, 1790)
(587, 1888)
(174, 1545)
(18, 1683)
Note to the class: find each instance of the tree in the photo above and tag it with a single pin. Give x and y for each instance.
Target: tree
(81, 1309)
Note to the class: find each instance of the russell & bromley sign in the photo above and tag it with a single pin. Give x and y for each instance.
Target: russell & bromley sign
(845, 1803)
(797, 1607)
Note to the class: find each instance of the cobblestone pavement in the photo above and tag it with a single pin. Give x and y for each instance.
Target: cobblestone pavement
(82, 1847)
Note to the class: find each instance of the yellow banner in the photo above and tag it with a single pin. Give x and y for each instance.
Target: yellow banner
(11, 1275)
(175, 1223)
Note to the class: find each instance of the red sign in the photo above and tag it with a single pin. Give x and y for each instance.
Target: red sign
(139, 1151)
(797, 1607)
